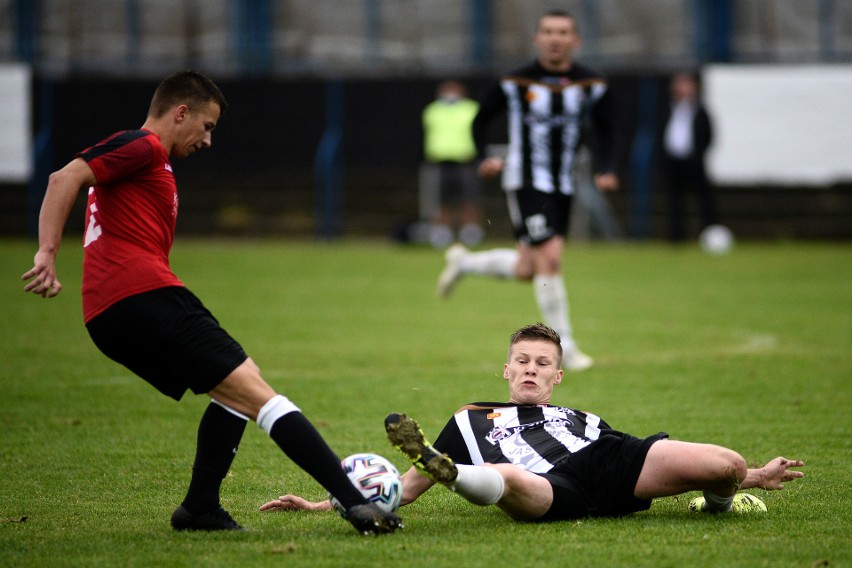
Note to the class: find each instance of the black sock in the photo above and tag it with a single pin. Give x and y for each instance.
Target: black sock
(219, 435)
(305, 446)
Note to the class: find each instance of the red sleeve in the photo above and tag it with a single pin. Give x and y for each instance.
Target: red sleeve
(120, 156)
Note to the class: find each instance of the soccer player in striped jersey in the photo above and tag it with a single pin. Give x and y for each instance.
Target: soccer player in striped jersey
(548, 103)
(541, 462)
(139, 313)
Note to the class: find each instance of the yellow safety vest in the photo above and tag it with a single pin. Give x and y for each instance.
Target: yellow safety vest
(447, 130)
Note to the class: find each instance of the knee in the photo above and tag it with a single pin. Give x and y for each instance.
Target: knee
(524, 274)
(526, 496)
(548, 261)
(551, 267)
(524, 268)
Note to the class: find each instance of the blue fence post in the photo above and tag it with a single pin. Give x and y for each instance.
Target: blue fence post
(373, 31)
(480, 23)
(42, 158)
(642, 158)
(827, 30)
(26, 48)
(591, 28)
(254, 35)
(134, 33)
(26, 30)
(328, 166)
(714, 29)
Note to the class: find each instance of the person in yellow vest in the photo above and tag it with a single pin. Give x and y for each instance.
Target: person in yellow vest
(450, 167)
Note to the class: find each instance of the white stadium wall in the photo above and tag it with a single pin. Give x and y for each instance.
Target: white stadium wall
(15, 120)
(780, 124)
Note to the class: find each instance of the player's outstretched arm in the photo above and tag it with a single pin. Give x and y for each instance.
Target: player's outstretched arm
(62, 189)
(295, 503)
(413, 485)
(773, 475)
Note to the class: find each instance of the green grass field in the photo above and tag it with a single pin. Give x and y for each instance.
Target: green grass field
(749, 350)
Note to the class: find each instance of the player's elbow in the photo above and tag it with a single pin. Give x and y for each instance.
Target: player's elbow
(736, 468)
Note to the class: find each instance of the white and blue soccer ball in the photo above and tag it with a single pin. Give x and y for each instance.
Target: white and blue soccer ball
(376, 478)
(716, 239)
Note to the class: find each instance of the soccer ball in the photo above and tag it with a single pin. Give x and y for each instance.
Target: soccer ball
(376, 478)
(716, 239)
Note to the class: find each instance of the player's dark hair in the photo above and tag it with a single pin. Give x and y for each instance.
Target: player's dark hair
(185, 87)
(558, 14)
(537, 332)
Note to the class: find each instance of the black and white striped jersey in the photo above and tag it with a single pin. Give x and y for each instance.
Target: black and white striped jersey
(547, 113)
(533, 437)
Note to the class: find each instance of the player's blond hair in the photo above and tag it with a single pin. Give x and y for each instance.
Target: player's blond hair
(536, 332)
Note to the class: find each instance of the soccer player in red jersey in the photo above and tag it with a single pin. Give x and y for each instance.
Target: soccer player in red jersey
(139, 313)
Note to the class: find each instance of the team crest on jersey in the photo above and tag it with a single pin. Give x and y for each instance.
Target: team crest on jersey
(549, 423)
(496, 434)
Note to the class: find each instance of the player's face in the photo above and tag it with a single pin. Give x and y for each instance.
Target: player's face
(195, 129)
(684, 88)
(533, 370)
(556, 39)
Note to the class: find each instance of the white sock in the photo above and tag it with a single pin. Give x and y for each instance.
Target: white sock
(479, 485)
(553, 302)
(499, 263)
(715, 503)
(275, 408)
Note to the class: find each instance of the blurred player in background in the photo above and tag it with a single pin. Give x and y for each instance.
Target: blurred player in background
(686, 138)
(450, 165)
(547, 103)
(541, 462)
(139, 314)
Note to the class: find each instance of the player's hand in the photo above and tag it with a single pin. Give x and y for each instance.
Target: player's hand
(295, 503)
(42, 276)
(607, 182)
(490, 167)
(776, 472)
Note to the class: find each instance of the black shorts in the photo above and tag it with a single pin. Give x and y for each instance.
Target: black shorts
(167, 337)
(538, 216)
(599, 480)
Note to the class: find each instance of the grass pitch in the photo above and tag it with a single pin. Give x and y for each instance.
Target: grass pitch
(749, 350)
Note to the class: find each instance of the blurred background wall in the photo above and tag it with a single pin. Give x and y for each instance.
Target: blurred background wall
(323, 135)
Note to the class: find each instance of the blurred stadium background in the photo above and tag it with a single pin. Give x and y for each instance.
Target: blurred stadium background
(322, 139)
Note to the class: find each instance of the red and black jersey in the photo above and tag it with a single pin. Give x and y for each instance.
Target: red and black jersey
(130, 220)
